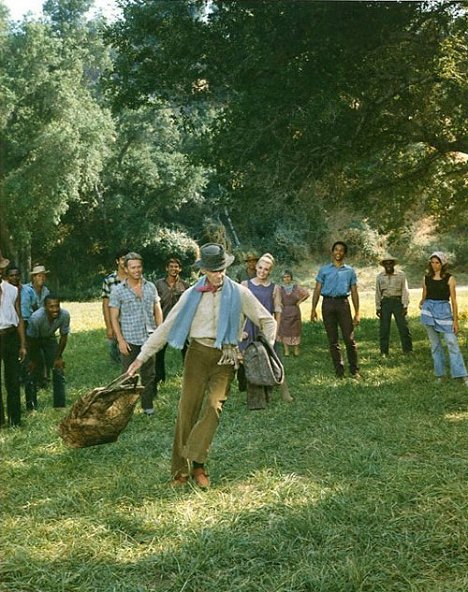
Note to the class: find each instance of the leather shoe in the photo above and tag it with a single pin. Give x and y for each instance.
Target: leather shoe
(201, 478)
(179, 480)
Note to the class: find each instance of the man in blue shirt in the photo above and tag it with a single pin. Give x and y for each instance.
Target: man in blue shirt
(42, 327)
(335, 282)
(135, 312)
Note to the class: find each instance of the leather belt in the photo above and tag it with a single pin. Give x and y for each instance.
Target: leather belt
(337, 297)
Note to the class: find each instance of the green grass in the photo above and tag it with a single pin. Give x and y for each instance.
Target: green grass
(353, 487)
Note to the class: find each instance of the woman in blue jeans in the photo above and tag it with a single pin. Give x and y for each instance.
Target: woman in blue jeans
(439, 313)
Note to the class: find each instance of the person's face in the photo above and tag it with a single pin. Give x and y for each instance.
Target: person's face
(134, 269)
(263, 269)
(251, 264)
(173, 269)
(121, 263)
(389, 267)
(436, 264)
(287, 279)
(216, 278)
(14, 277)
(52, 308)
(338, 253)
(39, 280)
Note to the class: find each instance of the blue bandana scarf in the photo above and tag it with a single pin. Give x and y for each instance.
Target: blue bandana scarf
(229, 313)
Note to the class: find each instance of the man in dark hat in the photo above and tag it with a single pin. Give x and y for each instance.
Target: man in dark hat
(211, 315)
(392, 298)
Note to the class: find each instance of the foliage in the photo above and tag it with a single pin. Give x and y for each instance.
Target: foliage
(354, 486)
(362, 100)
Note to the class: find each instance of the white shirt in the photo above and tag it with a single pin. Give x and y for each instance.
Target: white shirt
(8, 315)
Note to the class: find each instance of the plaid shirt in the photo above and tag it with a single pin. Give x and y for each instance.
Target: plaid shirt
(136, 314)
(108, 283)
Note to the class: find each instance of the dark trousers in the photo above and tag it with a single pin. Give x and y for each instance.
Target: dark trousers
(45, 349)
(389, 307)
(9, 350)
(336, 313)
(146, 373)
(160, 363)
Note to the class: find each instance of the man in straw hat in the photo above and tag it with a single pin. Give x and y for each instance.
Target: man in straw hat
(12, 347)
(211, 314)
(34, 293)
(250, 269)
(392, 298)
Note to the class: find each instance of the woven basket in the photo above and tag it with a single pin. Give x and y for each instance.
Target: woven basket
(100, 416)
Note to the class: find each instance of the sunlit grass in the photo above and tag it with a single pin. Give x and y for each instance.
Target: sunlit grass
(354, 486)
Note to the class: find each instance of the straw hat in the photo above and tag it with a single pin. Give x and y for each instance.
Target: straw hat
(38, 269)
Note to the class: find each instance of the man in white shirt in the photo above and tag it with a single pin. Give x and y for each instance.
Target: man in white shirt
(12, 348)
(211, 314)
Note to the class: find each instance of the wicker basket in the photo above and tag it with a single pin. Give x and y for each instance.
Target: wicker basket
(100, 416)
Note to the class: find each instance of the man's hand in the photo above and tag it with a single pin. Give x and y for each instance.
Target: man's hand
(356, 320)
(377, 312)
(22, 354)
(313, 315)
(59, 364)
(134, 367)
(110, 333)
(124, 348)
(405, 311)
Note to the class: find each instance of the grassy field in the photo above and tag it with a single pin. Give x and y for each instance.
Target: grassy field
(356, 486)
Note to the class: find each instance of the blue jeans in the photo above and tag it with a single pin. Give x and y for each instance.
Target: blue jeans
(457, 365)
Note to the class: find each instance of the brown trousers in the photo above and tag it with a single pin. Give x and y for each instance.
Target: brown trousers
(205, 388)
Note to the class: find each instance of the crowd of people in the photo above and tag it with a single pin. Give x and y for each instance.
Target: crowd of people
(211, 322)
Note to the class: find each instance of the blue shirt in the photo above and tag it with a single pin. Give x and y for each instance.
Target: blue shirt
(336, 281)
(31, 301)
(136, 314)
(39, 325)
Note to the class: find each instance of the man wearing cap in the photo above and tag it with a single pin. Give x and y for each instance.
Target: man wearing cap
(392, 298)
(250, 269)
(12, 347)
(335, 282)
(135, 313)
(211, 314)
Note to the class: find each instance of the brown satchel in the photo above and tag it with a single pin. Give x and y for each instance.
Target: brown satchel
(100, 416)
(263, 366)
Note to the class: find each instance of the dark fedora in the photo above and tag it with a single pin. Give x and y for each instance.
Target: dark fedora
(213, 258)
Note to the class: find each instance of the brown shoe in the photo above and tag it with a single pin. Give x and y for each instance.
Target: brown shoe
(179, 481)
(201, 478)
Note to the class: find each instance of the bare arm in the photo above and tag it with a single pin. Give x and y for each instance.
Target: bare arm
(158, 314)
(107, 318)
(124, 348)
(424, 293)
(355, 300)
(453, 299)
(315, 299)
(58, 362)
(21, 332)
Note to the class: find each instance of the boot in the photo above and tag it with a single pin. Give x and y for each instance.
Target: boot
(285, 395)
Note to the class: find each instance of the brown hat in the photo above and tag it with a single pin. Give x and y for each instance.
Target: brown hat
(3, 262)
(38, 269)
(251, 256)
(213, 257)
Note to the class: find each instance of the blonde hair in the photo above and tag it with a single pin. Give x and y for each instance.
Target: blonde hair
(268, 257)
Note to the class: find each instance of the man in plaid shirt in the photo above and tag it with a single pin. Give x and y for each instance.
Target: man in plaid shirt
(108, 283)
(135, 313)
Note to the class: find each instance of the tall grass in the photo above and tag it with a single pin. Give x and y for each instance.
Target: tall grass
(354, 486)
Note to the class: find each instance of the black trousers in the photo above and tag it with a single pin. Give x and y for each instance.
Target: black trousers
(336, 313)
(9, 351)
(389, 307)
